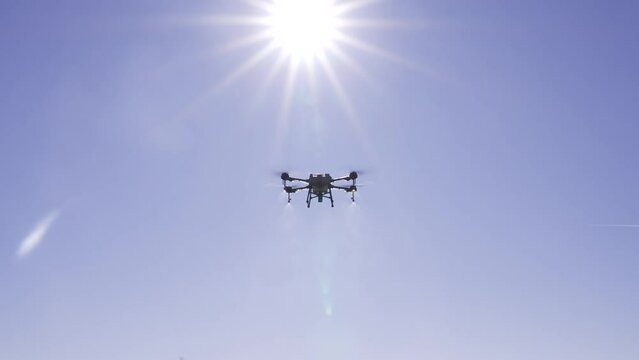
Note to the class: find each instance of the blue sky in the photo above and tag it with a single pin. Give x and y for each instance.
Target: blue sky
(496, 163)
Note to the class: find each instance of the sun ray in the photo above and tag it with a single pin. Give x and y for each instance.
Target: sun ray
(339, 89)
(312, 37)
(267, 84)
(346, 104)
(288, 89)
(369, 23)
(262, 5)
(312, 79)
(350, 6)
(247, 65)
(279, 64)
(246, 41)
(352, 65)
(286, 99)
(272, 74)
(226, 20)
(373, 50)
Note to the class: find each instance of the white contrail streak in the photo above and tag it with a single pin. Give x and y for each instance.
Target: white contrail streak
(618, 225)
(35, 237)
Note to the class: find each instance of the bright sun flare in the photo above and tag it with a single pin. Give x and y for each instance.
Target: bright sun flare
(303, 29)
(311, 35)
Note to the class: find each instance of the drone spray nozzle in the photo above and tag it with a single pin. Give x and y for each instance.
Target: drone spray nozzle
(285, 176)
(353, 175)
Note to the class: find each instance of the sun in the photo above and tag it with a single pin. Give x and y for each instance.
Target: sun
(313, 37)
(303, 29)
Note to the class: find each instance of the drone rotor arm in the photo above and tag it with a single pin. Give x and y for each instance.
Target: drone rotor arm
(297, 179)
(345, 188)
(292, 190)
(350, 177)
(343, 178)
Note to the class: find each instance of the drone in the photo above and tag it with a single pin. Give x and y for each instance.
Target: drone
(319, 186)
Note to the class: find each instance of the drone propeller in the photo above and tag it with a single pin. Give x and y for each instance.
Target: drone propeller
(361, 171)
(354, 174)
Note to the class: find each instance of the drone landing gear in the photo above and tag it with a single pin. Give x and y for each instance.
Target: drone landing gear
(330, 196)
(319, 197)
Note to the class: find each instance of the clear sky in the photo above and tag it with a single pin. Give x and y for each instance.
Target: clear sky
(140, 217)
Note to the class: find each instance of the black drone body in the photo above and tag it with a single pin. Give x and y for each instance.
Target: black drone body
(319, 186)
